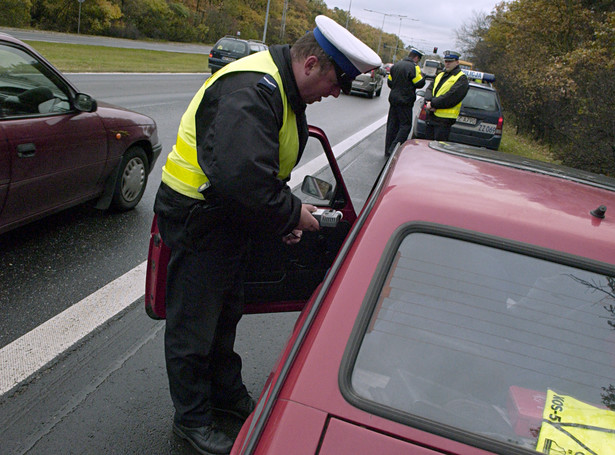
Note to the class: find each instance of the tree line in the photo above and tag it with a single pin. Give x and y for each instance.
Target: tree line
(554, 62)
(203, 21)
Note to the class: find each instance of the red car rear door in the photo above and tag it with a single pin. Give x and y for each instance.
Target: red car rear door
(282, 277)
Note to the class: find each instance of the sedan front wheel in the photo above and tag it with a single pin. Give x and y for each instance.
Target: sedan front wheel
(132, 180)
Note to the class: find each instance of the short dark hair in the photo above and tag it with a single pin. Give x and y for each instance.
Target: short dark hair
(306, 46)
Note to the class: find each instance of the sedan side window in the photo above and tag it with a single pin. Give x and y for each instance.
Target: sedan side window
(27, 88)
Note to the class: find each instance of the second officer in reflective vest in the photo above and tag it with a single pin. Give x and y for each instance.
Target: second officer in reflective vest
(226, 178)
(444, 98)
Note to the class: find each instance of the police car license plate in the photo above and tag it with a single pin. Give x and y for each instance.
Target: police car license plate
(488, 128)
(467, 120)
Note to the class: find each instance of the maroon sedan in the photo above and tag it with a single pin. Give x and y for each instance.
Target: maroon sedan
(468, 309)
(59, 147)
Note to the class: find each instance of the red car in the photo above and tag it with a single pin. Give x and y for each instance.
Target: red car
(468, 309)
(59, 147)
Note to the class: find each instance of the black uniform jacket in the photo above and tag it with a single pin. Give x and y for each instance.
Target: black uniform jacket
(237, 134)
(455, 95)
(402, 88)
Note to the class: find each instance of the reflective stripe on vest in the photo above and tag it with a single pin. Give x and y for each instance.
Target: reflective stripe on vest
(450, 112)
(418, 76)
(182, 171)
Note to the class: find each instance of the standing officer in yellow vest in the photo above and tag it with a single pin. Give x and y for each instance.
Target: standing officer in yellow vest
(225, 179)
(404, 78)
(444, 98)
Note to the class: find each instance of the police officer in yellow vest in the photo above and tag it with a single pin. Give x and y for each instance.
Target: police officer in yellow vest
(444, 98)
(225, 179)
(404, 78)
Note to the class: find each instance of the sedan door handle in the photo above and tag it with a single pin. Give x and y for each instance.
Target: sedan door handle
(26, 150)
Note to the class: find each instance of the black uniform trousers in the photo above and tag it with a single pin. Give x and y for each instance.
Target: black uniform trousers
(204, 303)
(438, 129)
(399, 124)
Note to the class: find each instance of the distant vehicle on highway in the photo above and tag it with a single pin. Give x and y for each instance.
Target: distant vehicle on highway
(60, 147)
(231, 48)
(369, 83)
(431, 68)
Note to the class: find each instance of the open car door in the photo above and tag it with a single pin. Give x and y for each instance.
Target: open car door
(280, 277)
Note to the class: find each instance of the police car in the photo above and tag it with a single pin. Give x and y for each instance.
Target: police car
(480, 120)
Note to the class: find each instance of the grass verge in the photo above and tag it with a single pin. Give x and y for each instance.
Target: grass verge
(84, 58)
(521, 145)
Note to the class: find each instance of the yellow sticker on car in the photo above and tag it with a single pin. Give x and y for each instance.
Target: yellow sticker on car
(571, 426)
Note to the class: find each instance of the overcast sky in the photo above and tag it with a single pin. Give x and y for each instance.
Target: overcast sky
(435, 24)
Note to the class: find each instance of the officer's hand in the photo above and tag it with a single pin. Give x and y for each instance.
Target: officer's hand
(307, 222)
(293, 237)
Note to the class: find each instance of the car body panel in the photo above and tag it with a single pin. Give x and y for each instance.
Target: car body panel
(531, 209)
(54, 155)
(64, 165)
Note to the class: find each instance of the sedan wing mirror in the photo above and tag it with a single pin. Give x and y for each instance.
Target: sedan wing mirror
(85, 103)
(316, 187)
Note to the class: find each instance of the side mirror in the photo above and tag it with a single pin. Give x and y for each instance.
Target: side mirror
(316, 187)
(85, 103)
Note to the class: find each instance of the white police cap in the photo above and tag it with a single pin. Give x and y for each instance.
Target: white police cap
(416, 51)
(349, 53)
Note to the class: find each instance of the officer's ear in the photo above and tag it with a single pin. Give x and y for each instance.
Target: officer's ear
(310, 64)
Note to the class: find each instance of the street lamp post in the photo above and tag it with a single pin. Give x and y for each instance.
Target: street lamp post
(399, 35)
(348, 17)
(384, 15)
(79, 20)
(266, 20)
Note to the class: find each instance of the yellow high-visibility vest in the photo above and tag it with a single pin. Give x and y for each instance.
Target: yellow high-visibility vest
(182, 171)
(417, 72)
(450, 112)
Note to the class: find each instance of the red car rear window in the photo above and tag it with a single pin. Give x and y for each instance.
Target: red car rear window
(492, 342)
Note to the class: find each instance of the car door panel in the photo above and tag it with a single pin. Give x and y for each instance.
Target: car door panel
(282, 277)
(54, 161)
(5, 169)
